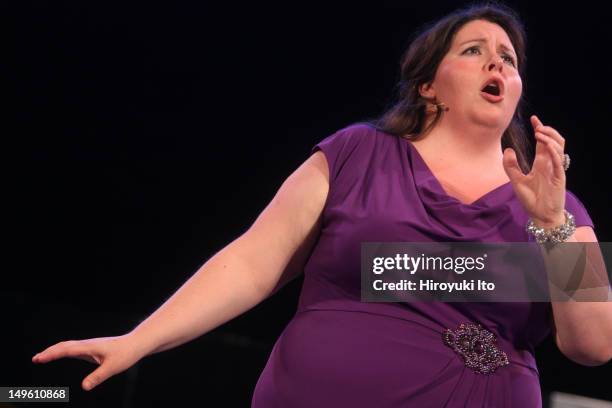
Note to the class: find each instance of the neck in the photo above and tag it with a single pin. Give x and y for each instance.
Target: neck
(474, 148)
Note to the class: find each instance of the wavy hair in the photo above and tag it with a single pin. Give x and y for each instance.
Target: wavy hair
(407, 115)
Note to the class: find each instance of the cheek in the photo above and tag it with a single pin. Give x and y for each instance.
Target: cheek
(455, 77)
(515, 88)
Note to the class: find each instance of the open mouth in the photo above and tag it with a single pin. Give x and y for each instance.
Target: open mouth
(493, 87)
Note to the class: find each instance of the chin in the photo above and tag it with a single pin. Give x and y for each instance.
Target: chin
(493, 120)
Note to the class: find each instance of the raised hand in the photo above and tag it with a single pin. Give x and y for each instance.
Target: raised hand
(542, 190)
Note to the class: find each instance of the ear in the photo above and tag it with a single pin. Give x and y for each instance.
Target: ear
(427, 90)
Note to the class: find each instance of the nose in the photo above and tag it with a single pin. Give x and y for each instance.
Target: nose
(495, 63)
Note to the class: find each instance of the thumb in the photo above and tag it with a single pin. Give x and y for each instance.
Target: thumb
(98, 376)
(511, 165)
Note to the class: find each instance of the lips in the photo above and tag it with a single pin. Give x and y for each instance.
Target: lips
(492, 98)
(493, 89)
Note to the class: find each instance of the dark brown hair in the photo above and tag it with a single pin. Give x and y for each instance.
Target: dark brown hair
(407, 115)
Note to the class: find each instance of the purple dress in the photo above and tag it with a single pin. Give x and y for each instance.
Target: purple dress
(340, 352)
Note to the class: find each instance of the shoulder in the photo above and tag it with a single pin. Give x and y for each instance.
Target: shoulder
(351, 144)
(362, 137)
(352, 134)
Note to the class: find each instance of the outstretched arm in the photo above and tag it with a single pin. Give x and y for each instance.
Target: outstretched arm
(248, 270)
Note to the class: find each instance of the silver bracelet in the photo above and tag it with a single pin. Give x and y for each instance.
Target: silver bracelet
(555, 235)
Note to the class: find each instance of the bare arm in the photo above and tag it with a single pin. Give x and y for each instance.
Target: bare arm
(583, 330)
(248, 270)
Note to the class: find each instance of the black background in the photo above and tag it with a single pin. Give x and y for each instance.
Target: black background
(139, 139)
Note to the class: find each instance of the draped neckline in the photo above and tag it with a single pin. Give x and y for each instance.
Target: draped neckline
(425, 178)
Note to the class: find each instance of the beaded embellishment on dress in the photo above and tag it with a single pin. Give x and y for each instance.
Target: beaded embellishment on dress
(477, 346)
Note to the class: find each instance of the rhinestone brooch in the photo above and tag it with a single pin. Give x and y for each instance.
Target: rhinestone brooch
(477, 346)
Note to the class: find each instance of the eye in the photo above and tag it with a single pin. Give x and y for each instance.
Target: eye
(507, 57)
(472, 48)
(510, 59)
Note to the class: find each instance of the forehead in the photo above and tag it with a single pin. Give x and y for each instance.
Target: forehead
(476, 29)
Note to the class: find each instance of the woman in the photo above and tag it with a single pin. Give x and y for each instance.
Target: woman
(417, 174)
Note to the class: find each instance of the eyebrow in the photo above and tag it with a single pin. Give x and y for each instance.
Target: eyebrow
(484, 40)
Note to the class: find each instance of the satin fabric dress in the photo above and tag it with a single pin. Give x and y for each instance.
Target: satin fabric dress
(340, 352)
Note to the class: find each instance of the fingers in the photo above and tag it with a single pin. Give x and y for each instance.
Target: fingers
(70, 348)
(555, 152)
(113, 354)
(535, 122)
(511, 165)
(554, 142)
(547, 130)
(77, 349)
(558, 169)
(54, 352)
(541, 137)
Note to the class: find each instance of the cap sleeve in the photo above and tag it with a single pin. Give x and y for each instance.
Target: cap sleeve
(339, 147)
(347, 152)
(577, 209)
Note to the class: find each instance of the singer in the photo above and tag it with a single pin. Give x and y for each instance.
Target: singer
(448, 161)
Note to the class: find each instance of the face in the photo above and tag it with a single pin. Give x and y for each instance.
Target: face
(466, 67)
